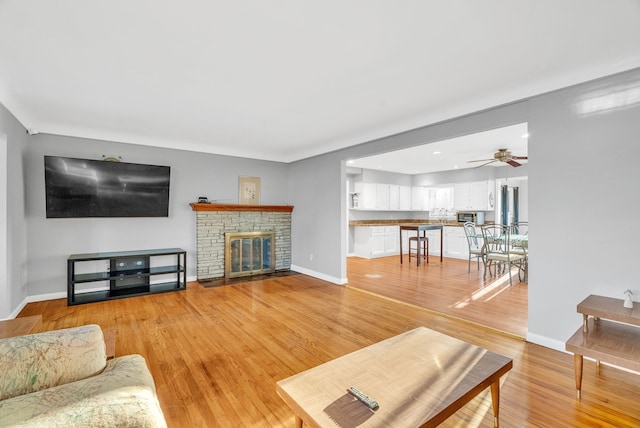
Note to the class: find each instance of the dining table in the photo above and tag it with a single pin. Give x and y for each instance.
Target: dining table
(420, 227)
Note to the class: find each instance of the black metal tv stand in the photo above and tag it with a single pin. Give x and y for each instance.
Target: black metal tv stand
(120, 274)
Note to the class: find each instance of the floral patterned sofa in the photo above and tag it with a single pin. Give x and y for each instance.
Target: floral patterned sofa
(62, 378)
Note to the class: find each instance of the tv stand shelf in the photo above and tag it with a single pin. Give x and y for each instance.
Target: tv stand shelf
(129, 273)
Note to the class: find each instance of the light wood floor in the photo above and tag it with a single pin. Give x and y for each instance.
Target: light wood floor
(446, 287)
(216, 353)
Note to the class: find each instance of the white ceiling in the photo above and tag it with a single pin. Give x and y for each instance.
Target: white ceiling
(285, 80)
(451, 154)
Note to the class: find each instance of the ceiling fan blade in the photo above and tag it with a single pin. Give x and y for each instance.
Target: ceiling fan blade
(520, 157)
(481, 160)
(490, 161)
(513, 163)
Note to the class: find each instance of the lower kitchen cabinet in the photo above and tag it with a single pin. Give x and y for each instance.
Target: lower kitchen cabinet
(434, 242)
(455, 243)
(376, 241)
(382, 241)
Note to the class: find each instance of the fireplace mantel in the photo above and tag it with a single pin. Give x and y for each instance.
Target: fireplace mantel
(239, 207)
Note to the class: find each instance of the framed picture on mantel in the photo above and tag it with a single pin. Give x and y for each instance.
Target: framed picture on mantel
(249, 188)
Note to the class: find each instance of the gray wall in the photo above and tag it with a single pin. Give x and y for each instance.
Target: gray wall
(583, 184)
(13, 227)
(51, 241)
(317, 189)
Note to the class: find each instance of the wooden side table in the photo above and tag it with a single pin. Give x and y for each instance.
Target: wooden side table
(612, 334)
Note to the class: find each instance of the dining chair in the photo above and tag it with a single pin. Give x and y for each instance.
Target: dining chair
(520, 228)
(498, 250)
(520, 245)
(476, 248)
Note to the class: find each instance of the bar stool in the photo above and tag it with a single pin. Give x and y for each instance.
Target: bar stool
(425, 247)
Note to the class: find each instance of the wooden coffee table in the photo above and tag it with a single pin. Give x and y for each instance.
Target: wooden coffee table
(418, 378)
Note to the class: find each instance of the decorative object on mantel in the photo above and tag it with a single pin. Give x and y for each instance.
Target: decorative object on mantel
(628, 302)
(112, 158)
(203, 200)
(249, 190)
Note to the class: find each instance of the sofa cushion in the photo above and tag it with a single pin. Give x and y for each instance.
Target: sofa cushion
(39, 361)
(123, 395)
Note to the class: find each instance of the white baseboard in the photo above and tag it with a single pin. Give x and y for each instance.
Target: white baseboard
(37, 298)
(333, 279)
(546, 342)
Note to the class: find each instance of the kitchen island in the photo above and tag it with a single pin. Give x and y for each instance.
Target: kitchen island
(380, 238)
(420, 227)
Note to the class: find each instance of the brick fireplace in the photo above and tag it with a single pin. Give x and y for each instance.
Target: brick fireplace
(213, 221)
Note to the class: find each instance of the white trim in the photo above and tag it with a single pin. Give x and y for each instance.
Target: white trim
(333, 279)
(546, 342)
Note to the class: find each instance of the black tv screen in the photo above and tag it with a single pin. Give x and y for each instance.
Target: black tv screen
(97, 188)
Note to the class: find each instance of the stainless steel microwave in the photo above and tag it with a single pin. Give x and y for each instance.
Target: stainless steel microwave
(475, 217)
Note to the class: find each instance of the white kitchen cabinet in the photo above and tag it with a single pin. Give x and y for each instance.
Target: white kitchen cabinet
(394, 197)
(382, 196)
(374, 196)
(429, 199)
(387, 197)
(405, 198)
(483, 195)
(475, 196)
(417, 198)
(455, 243)
(369, 197)
(461, 196)
(434, 242)
(376, 241)
(391, 240)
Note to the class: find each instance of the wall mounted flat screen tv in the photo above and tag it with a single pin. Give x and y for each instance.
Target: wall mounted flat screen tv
(96, 188)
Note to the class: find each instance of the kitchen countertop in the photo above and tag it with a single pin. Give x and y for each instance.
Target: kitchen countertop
(402, 221)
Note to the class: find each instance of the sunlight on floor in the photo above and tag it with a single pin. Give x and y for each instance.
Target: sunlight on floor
(373, 275)
(487, 293)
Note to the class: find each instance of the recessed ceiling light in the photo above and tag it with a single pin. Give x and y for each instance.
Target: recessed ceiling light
(525, 135)
(436, 152)
(350, 162)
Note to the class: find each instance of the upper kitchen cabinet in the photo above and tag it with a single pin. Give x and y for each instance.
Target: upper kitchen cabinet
(417, 198)
(394, 197)
(369, 196)
(374, 196)
(405, 198)
(381, 197)
(475, 196)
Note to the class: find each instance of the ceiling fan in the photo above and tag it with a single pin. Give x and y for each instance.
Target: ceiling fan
(502, 155)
